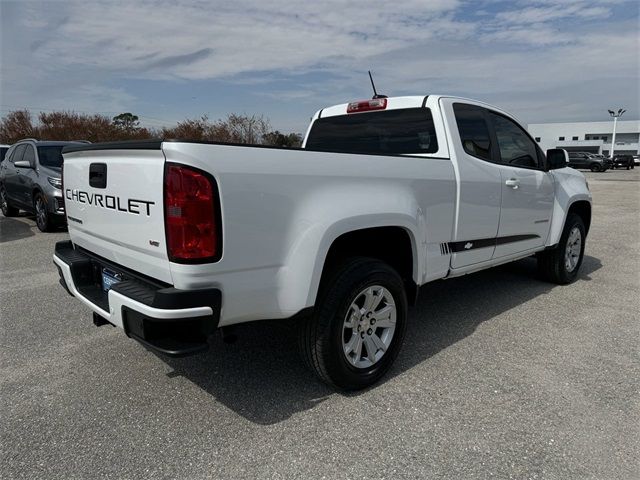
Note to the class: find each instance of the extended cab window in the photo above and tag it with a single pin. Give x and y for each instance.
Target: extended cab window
(473, 129)
(515, 146)
(402, 131)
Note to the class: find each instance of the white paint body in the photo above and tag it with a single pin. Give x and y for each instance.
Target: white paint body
(282, 209)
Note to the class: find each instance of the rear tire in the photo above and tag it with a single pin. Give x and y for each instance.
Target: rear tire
(561, 264)
(43, 218)
(7, 210)
(362, 307)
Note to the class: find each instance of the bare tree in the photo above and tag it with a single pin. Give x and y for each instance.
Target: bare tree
(16, 126)
(278, 139)
(190, 129)
(63, 125)
(234, 129)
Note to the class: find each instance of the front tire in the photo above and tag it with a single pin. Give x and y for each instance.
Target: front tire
(43, 218)
(596, 168)
(561, 265)
(357, 328)
(7, 210)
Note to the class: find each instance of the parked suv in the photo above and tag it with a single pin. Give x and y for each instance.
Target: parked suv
(623, 161)
(593, 162)
(30, 179)
(3, 151)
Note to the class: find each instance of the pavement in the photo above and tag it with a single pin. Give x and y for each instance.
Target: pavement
(501, 376)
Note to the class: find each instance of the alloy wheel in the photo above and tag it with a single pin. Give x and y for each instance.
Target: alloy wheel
(41, 213)
(3, 202)
(369, 326)
(573, 249)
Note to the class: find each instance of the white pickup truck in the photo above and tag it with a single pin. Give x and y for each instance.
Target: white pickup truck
(173, 239)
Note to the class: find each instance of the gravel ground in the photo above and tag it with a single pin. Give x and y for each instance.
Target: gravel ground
(500, 376)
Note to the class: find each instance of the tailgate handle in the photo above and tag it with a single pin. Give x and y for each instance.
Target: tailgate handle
(98, 175)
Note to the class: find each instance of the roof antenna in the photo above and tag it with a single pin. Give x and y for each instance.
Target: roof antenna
(375, 93)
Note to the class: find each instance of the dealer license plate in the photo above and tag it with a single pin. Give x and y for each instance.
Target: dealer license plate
(109, 279)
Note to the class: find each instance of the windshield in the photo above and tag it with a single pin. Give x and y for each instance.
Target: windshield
(408, 130)
(50, 156)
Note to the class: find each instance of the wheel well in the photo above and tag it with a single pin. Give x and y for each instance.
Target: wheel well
(582, 208)
(35, 192)
(391, 245)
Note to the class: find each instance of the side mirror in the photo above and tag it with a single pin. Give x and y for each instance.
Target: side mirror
(23, 164)
(557, 158)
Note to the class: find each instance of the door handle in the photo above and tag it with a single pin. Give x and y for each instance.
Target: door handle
(513, 183)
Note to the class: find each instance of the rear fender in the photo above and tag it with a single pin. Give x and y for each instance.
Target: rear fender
(346, 210)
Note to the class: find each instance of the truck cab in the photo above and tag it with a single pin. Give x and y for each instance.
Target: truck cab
(504, 191)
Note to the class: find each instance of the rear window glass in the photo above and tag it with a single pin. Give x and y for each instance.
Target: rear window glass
(50, 156)
(403, 131)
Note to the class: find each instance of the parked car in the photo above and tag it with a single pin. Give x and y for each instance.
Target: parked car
(623, 161)
(590, 161)
(3, 151)
(30, 180)
(385, 195)
(636, 160)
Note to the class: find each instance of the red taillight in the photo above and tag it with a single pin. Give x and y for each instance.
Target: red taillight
(192, 216)
(367, 105)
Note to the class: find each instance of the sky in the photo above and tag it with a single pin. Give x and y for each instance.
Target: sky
(167, 60)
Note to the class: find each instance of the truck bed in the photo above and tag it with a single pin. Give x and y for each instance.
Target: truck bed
(279, 208)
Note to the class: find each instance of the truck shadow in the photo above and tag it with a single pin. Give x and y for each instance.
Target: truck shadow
(262, 378)
(14, 229)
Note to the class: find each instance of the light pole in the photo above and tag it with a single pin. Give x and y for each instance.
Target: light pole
(615, 116)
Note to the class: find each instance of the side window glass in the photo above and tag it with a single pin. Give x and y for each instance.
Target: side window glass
(515, 146)
(473, 129)
(17, 153)
(29, 155)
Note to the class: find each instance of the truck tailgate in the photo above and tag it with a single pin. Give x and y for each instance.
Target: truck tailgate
(114, 205)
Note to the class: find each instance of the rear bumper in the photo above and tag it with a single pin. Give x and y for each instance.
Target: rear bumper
(171, 321)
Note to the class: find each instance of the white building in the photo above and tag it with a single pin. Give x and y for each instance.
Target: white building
(594, 137)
